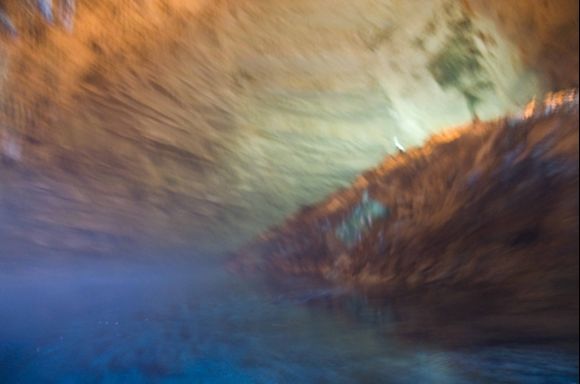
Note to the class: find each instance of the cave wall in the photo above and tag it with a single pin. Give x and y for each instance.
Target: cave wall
(207, 121)
(484, 217)
(544, 32)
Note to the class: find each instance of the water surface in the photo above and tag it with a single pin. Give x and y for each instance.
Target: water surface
(198, 323)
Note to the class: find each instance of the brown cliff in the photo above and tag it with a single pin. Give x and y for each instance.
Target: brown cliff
(482, 221)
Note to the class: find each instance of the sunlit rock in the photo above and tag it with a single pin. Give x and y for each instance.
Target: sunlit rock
(207, 121)
(486, 209)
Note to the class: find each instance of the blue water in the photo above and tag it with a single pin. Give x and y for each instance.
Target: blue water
(199, 324)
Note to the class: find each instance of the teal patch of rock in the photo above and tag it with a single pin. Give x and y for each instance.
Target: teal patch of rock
(351, 230)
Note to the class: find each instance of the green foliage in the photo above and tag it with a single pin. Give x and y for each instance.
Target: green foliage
(458, 64)
(457, 59)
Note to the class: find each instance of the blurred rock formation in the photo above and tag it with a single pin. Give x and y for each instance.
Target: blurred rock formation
(204, 122)
(484, 217)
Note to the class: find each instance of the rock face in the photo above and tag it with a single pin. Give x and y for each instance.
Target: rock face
(204, 122)
(490, 209)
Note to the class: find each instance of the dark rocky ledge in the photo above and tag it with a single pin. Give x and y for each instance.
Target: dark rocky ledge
(479, 226)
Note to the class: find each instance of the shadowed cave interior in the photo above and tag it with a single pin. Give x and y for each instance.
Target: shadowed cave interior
(289, 191)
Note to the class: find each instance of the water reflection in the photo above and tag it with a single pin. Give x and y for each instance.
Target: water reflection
(197, 323)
